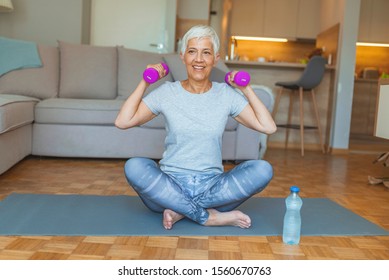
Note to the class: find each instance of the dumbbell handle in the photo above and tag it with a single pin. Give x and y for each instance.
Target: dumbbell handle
(151, 75)
(241, 78)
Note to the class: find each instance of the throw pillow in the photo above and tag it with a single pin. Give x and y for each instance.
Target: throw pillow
(88, 71)
(40, 82)
(132, 63)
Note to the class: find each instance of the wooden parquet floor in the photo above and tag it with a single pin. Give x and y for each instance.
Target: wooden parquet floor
(342, 178)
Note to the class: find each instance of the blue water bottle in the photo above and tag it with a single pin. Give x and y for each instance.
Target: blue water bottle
(292, 219)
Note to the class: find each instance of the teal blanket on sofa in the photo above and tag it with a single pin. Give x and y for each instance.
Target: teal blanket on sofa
(17, 54)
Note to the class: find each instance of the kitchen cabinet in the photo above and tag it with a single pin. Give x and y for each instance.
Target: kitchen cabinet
(281, 18)
(308, 19)
(276, 18)
(364, 107)
(364, 20)
(247, 17)
(374, 21)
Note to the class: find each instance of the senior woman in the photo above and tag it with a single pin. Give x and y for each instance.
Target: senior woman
(189, 181)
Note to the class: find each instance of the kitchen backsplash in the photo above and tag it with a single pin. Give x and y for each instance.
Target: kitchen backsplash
(273, 51)
(372, 57)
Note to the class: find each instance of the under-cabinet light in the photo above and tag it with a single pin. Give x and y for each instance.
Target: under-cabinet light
(372, 44)
(268, 39)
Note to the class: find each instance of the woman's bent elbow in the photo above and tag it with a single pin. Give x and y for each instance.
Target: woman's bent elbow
(270, 129)
(120, 124)
(273, 129)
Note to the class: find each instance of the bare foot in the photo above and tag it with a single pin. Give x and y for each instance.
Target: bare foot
(170, 218)
(232, 218)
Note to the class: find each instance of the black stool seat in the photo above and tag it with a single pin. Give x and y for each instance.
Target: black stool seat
(288, 85)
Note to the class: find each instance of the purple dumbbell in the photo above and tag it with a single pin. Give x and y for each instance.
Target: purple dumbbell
(151, 75)
(241, 78)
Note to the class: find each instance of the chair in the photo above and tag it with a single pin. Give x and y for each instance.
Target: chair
(266, 95)
(309, 80)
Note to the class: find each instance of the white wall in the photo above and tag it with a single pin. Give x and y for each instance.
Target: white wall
(344, 80)
(44, 21)
(134, 24)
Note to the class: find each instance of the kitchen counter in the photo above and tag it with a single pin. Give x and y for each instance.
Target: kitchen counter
(384, 81)
(363, 80)
(267, 74)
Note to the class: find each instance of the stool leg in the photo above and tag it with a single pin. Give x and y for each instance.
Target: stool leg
(317, 120)
(276, 103)
(290, 110)
(301, 120)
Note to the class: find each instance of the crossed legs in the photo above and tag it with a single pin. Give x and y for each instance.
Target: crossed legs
(208, 199)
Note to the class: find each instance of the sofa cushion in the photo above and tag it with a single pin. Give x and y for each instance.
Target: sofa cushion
(35, 82)
(16, 111)
(87, 72)
(77, 111)
(84, 112)
(132, 63)
(177, 68)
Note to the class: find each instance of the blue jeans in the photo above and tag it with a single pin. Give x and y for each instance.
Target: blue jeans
(191, 194)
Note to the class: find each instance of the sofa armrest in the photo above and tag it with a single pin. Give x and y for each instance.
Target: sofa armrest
(247, 143)
(251, 144)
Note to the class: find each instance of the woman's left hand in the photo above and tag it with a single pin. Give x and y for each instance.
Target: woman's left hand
(231, 81)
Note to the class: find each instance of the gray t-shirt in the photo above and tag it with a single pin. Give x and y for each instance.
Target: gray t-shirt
(195, 124)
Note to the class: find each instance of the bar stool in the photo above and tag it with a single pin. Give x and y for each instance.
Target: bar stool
(310, 79)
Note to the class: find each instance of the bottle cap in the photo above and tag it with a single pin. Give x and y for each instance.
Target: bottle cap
(294, 189)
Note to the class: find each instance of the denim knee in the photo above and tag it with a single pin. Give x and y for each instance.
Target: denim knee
(134, 168)
(263, 170)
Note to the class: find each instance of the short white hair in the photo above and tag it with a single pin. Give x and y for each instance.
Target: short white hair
(201, 31)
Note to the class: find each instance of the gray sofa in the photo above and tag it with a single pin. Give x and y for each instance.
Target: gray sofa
(67, 107)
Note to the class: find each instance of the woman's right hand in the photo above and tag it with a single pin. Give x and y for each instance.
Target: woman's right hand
(161, 70)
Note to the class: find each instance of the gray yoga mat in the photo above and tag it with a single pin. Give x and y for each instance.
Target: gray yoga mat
(91, 215)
